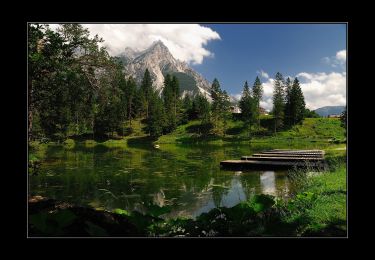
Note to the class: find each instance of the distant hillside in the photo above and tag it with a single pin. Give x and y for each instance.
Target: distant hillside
(330, 110)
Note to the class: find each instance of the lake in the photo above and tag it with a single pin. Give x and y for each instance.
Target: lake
(187, 179)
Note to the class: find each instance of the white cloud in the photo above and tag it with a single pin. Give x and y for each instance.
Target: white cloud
(263, 74)
(323, 89)
(186, 42)
(336, 61)
(237, 97)
(341, 55)
(266, 102)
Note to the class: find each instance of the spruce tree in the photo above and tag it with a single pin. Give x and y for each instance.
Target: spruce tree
(169, 104)
(248, 107)
(201, 110)
(287, 109)
(225, 110)
(297, 103)
(147, 91)
(131, 92)
(216, 95)
(257, 95)
(156, 119)
(176, 96)
(278, 100)
(219, 109)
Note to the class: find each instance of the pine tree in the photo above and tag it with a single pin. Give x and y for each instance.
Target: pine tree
(248, 107)
(171, 98)
(219, 108)
(187, 105)
(287, 109)
(147, 91)
(156, 119)
(215, 107)
(278, 100)
(257, 95)
(297, 101)
(130, 95)
(176, 96)
(225, 110)
(201, 110)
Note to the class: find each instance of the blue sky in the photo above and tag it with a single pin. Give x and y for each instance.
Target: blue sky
(290, 49)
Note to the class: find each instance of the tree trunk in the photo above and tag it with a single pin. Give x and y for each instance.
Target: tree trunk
(147, 110)
(175, 106)
(258, 116)
(130, 113)
(77, 127)
(275, 124)
(93, 131)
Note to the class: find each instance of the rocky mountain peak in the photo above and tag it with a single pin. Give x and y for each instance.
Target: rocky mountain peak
(159, 61)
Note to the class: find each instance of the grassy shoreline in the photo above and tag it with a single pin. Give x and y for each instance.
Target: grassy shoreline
(313, 130)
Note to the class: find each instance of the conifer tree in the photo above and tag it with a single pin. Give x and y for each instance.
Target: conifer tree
(248, 107)
(287, 109)
(147, 91)
(257, 95)
(278, 100)
(219, 109)
(297, 103)
(156, 119)
(130, 95)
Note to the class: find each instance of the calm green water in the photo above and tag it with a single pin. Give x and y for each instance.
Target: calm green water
(188, 179)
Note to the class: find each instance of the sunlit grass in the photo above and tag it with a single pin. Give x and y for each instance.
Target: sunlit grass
(312, 130)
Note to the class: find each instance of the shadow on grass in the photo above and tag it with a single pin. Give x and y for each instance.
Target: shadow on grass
(198, 139)
(334, 228)
(99, 138)
(236, 130)
(144, 142)
(199, 129)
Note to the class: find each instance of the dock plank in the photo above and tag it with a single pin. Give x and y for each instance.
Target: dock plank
(286, 155)
(266, 158)
(279, 158)
(240, 164)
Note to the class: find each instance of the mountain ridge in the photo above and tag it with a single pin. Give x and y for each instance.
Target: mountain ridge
(329, 110)
(159, 61)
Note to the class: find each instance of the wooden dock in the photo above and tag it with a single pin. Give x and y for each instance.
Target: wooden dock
(278, 159)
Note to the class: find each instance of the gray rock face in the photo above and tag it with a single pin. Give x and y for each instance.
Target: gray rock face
(159, 61)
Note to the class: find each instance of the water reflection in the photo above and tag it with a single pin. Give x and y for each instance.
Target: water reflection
(188, 179)
(267, 181)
